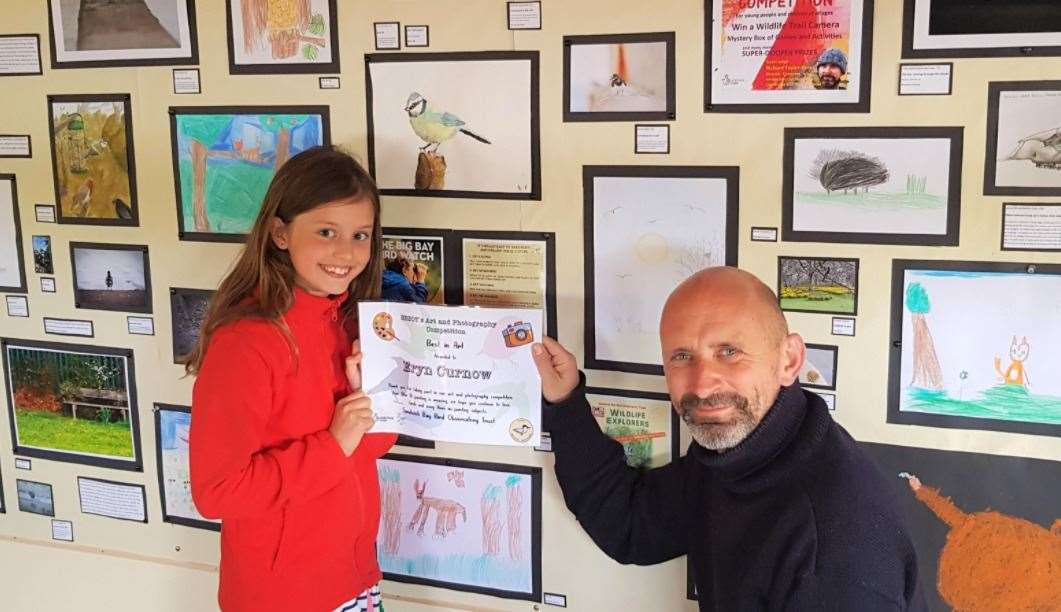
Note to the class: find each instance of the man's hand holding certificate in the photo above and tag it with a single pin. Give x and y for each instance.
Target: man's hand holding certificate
(452, 373)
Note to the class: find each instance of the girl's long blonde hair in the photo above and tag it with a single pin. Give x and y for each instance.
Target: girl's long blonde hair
(260, 284)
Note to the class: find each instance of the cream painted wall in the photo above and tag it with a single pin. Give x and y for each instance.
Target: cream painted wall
(116, 565)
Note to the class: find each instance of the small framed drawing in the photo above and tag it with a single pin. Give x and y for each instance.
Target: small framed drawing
(1022, 156)
(619, 77)
(290, 37)
(878, 185)
(819, 366)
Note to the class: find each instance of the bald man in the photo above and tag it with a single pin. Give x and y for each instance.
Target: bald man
(775, 504)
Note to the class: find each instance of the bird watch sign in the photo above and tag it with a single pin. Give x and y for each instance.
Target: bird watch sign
(452, 373)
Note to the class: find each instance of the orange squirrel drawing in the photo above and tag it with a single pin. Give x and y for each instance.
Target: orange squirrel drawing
(1015, 374)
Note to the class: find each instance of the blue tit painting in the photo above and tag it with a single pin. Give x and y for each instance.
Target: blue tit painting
(432, 126)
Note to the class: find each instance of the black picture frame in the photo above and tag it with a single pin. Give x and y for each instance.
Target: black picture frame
(160, 472)
(614, 39)
(131, 485)
(831, 348)
(950, 78)
(535, 474)
(991, 152)
(731, 174)
(895, 374)
(954, 175)
(865, 79)
(1005, 210)
(136, 464)
(989, 12)
(81, 298)
(130, 157)
(180, 298)
(675, 427)
(191, 59)
(51, 494)
(302, 68)
(19, 253)
(40, 64)
(43, 260)
(3, 506)
(780, 284)
(405, 34)
(29, 144)
(535, 191)
(185, 233)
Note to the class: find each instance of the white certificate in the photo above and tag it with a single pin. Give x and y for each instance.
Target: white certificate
(452, 373)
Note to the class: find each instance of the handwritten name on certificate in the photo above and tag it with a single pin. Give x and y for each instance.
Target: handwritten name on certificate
(452, 373)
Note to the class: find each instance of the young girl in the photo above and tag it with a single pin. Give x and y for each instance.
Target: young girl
(279, 449)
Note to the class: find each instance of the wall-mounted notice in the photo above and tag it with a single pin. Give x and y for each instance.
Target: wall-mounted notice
(388, 35)
(15, 145)
(1031, 227)
(47, 284)
(186, 81)
(524, 15)
(113, 499)
(651, 138)
(45, 213)
(62, 530)
(20, 54)
(925, 79)
(452, 373)
(141, 326)
(509, 273)
(17, 306)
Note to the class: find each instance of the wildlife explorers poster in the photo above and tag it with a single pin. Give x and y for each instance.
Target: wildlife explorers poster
(763, 52)
(452, 373)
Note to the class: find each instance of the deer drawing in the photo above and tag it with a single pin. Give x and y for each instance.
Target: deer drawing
(446, 512)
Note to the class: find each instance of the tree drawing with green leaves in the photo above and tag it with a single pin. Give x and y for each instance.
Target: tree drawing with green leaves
(927, 371)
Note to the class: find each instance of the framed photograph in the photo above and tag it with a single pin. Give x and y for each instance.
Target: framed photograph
(410, 255)
(644, 423)
(461, 525)
(818, 284)
(647, 228)
(787, 57)
(509, 270)
(224, 158)
(118, 500)
(42, 255)
(619, 77)
(289, 37)
(432, 132)
(819, 367)
(972, 346)
(172, 427)
(73, 403)
(954, 502)
(35, 497)
(12, 274)
(111, 277)
(102, 34)
(93, 167)
(980, 28)
(1031, 227)
(872, 185)
(187, 311)
(1022, 155)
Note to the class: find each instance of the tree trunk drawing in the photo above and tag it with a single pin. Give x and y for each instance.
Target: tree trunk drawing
(430, 171)
(927, 373)
(283, 147)
(514, 515)
(255, 13)
(490, 504)
(392, 516)
(199, 154)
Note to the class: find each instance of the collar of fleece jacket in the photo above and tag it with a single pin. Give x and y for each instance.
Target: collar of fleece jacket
(309, 307)
(781, 446)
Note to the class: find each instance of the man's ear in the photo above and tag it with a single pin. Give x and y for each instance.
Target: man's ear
(278, 233)
(793, 352)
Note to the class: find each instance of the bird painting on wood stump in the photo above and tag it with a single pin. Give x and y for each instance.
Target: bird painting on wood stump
(434, 128)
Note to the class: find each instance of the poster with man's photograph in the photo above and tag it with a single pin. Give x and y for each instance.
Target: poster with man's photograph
(282, 36)
(1023, 154)
(647, 229)
(74, 403)
(172, 427)
(414, 269)
(788, 56)
(12, 274)
(619, 77)
(103, 33)
(188, 310)
(889, 185)
(35, 497)
(433, 132)
(111, 277)
(42, 255)
(93, 167)
(980, 28)
(818, 284)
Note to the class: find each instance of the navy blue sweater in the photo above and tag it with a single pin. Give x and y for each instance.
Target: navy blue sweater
(796, 517)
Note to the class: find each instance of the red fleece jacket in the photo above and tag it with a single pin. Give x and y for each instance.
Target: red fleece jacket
(299, 518)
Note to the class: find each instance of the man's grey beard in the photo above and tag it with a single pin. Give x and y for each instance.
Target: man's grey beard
(829, 81)
(720, 436)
